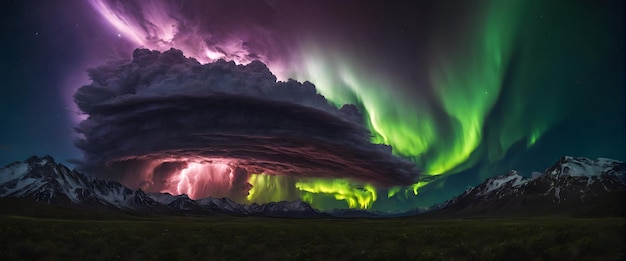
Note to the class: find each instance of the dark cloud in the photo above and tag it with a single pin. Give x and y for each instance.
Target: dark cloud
(160, 110)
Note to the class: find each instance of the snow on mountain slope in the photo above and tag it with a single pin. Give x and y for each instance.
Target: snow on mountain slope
(166, 198)
(223, 204)
(582, 167)
(43, 180)
(512, 180)
(295, 208)
(13, 171)
(571, 181)
(39, 177)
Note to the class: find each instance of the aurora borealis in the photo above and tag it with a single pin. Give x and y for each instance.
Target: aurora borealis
(463, 91)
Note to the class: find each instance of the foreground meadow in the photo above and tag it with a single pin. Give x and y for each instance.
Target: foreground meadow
(27, 238)
(120, 237)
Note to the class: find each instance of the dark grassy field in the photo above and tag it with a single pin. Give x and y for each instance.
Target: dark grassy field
(112, 236)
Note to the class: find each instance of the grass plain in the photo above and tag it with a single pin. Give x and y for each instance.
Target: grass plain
(50, 233)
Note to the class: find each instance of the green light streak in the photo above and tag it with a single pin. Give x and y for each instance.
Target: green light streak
(466, 86)
(271, 188)
(492, 86)
(534, 136)
(357, 196)
(469, 84)
(393, 191)
(315, 191)
(417, 186)
(466, 83)
(411, 131)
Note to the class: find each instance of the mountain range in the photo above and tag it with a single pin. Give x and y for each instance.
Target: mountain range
(44, 180)
(573, 186)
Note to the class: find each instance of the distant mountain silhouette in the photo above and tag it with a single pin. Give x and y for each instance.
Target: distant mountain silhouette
(44, 180)
(573, 186)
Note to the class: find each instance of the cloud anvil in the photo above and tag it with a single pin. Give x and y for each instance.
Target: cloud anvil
(335, 103)
(166, 108)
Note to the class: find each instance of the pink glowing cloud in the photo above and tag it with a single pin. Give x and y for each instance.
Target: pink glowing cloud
(200, 180)
(161, 25)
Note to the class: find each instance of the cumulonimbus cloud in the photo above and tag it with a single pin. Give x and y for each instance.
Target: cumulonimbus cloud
(167, 108)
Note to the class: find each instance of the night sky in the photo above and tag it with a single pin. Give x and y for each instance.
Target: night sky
(460, 91)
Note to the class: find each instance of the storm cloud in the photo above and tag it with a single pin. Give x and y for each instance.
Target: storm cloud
(162, 110)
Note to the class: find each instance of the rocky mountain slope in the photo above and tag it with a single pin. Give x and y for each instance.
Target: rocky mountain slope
(573, 185)
(44, 180)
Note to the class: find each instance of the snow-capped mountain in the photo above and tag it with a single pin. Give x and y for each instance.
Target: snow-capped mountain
(366, 213)
(296, 208)
(44, 180)
(227, 206)
(572, 183)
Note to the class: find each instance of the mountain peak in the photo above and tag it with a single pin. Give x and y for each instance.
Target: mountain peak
(40, 160)
(579, 166)
(510, 180)
(44, 180)
(569, 184)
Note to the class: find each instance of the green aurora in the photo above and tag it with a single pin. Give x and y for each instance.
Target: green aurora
(467, 90)
(494, 85)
